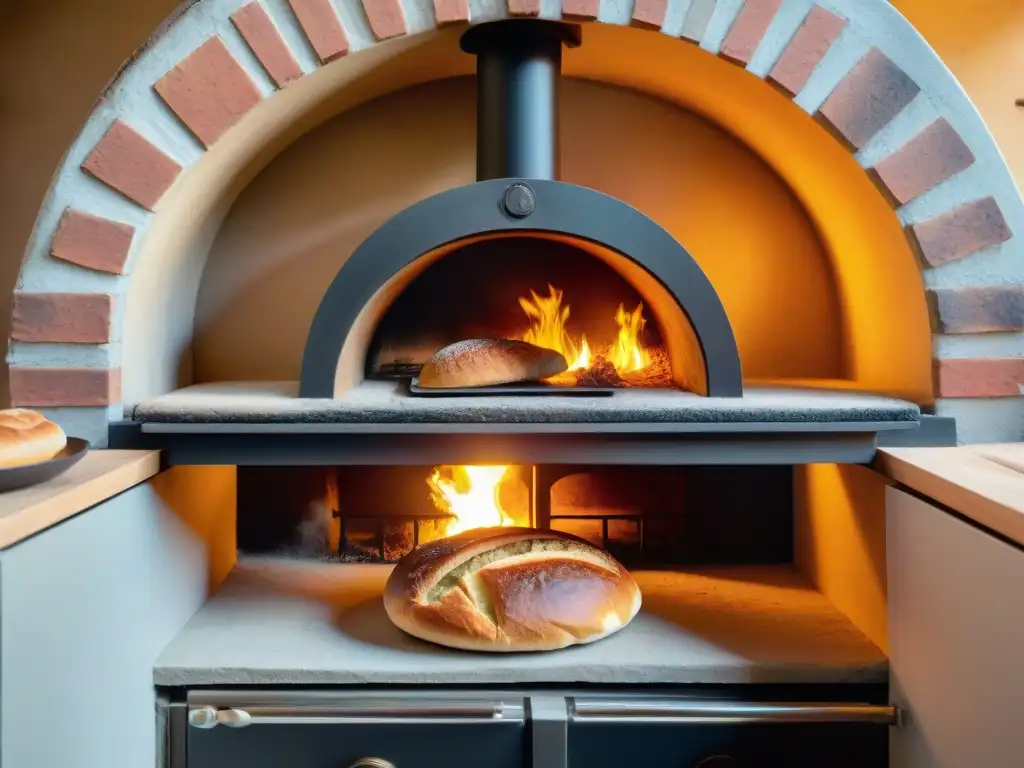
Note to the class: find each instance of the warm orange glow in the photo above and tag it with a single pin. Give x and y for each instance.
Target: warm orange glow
(548, 318)
(471, 495)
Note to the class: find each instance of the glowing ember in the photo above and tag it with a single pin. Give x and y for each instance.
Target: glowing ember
(471, 495)
(548, 318)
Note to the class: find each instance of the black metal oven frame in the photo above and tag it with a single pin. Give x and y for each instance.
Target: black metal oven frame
(518, 74)
(480, 209)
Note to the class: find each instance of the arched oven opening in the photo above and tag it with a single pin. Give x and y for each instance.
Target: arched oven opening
(593, 279)
(614, 323)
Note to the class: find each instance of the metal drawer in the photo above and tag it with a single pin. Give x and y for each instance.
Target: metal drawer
(692, 733)
(326, 730)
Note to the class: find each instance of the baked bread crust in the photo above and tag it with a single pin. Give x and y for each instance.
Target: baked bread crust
(27, 437)
(510, 589)
(483, 362)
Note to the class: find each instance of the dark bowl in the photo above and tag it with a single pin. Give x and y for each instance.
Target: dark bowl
(12, 478)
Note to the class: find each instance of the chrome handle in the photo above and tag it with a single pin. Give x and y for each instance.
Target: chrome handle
(207, 717)
(372, 762)
(725, 712)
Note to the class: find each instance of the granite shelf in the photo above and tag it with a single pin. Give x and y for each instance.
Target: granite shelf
(278, 621)
(378, 422)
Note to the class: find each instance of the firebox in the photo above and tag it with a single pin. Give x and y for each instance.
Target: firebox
(746, 649)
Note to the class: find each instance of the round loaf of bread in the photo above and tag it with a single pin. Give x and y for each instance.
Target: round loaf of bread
(485, 362)
(27, 437)
(510, 589)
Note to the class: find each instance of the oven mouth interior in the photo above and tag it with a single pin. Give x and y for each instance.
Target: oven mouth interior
(766, 583)
(599, 309)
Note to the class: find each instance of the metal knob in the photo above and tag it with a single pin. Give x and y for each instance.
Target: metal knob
(372, 762)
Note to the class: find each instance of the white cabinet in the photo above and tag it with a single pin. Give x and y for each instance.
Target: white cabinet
(956, 628)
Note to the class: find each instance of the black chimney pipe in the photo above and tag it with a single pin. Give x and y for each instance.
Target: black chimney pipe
(519, 64)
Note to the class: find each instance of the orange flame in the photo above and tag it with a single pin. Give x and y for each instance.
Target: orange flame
(470, 494)
(627, 354)
(548, 319)
(547, 328)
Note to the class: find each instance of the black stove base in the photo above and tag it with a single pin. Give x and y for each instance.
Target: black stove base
(711, 727)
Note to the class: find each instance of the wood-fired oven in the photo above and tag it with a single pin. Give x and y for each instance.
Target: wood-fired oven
(716, 495)
(739, 499)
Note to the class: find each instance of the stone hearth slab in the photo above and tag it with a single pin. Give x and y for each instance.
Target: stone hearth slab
(299, 622)
(385, 402)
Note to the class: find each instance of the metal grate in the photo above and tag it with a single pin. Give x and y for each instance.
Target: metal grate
(378, 523)
(376, 549)
(606, 543)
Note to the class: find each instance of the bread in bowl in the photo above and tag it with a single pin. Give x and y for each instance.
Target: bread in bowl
(510, 589)
(27, 437)
(486, 362)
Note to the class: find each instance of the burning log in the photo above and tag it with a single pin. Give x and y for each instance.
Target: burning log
(601, 373)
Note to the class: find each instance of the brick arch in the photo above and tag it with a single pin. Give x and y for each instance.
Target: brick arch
(856, 66)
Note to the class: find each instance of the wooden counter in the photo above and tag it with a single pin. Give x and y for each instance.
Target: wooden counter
(94, 479)
(984, 483)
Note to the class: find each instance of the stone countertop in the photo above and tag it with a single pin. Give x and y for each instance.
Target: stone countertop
(279, 621)
(97, 477)
(985, 483)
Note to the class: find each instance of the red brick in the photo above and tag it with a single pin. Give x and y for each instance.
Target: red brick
(209, 90)
(124, 160)
(523, 7)
(323, 28)
(258, 29)
(451, 12)
(931, 157)
(868, 98)
(76, 318)
(649, 13)
(92, 242)
(386, 17)
(961, 232)
(978, 310)
(35, 387)
(808, 47)
(1001, 377)
(748, 29)
(580, 9)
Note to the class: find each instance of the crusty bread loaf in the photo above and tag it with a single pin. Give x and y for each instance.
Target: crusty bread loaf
(510, 589)
(27, 437)
(483, 362)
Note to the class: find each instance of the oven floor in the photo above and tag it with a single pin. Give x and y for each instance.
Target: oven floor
(389, 402)
(278, 621)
